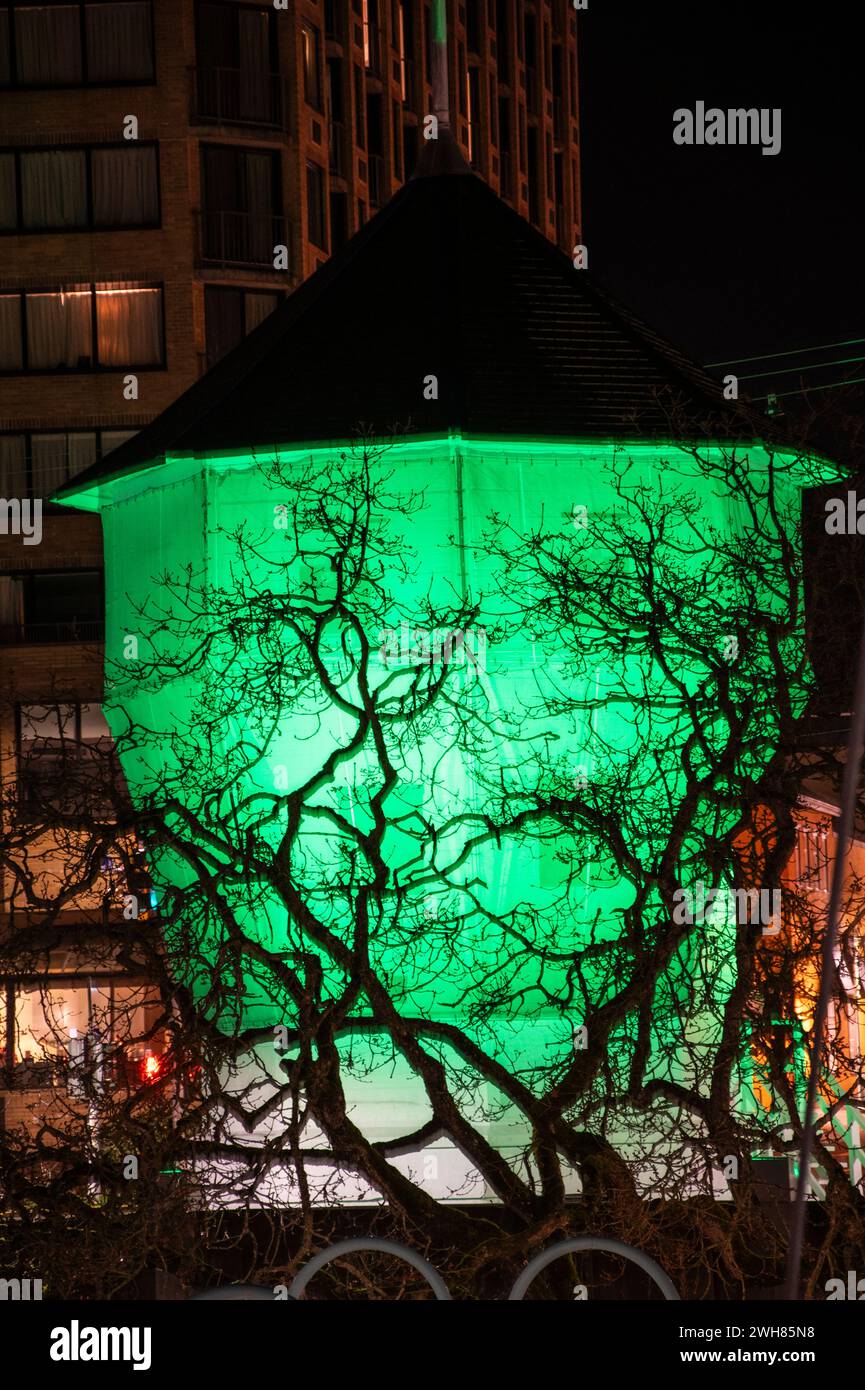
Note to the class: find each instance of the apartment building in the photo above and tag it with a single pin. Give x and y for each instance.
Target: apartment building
(169, 170)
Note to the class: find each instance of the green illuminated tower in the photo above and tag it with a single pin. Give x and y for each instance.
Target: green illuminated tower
(389, 759)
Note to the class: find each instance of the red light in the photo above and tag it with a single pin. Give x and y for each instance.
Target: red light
(151, 1068)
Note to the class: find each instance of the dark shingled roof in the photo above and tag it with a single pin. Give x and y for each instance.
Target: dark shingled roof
(447, 281)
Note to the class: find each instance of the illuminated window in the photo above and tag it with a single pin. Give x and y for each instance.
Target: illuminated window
(51, 1032)
(65, 758)
(82, 328)
(812, 856)
(311, 45)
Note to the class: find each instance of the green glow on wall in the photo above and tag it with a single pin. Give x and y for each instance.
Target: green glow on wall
(184, 515)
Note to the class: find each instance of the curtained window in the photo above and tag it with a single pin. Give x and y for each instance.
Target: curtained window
(236, 67)
(11, 345)
(13, 465)
(35, 463)
(119, 42)
(230, 314)
(57, 457)
(48, 43)
(240, 204)
(8, 194)
(129, 326)
(59, 329)
(125, 186)
(54, 188)
(128, 319)
(5, 69)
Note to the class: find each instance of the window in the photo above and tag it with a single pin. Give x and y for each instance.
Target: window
(237, 77)
(359, 110)
(65, 759)
(812, 856)
(241, 218)
(311, 54)
(90, 44)
(476, 149)
(474, 21)
(34, 463)
(396, 142)
(97, 187)
(65, 1027)
(315, 223)
(229, 314)
(338, 219)
(81, 328)
(410, 148)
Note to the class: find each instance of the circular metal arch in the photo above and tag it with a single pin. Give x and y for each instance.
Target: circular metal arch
(390, 1247)
(613, 1247)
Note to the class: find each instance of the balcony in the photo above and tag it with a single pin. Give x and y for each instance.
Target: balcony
(238, 96)
(239, 238)
(72, 630)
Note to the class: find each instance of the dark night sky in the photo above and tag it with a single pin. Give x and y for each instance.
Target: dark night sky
(725, 251)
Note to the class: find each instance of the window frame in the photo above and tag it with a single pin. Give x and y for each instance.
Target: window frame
(9, 7)
(27, 434)
(95, 367)
(210, 290)
(20, 229)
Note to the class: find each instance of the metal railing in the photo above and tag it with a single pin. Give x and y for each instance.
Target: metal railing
(69, 630)
(240, 238)
(238, 96)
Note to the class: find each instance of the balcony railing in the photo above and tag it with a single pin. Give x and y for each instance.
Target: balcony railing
(70, 630)
(238, 96)
(337, 149)
(240, 238)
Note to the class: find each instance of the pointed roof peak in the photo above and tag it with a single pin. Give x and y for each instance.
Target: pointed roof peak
(441, 155)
